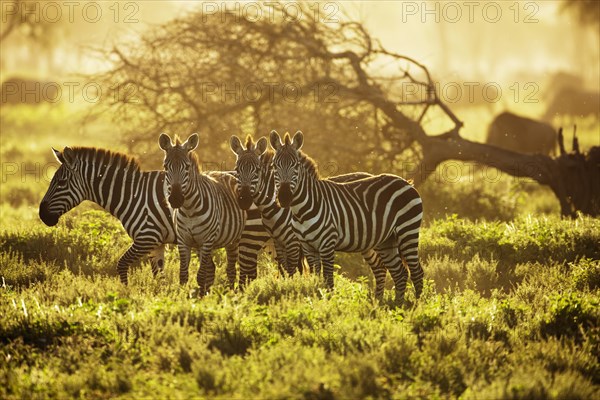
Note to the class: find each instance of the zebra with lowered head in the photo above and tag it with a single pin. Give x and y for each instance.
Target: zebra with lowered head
(115, 182)
(382, 213)
(207, 214)
(256, 184)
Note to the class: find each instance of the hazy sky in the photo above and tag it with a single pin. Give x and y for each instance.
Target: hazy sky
(477, 39)
(467, 40)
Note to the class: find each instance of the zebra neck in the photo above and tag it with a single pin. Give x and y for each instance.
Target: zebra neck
(264, 196)
(114, 188)
(200, 185)
(306, 189)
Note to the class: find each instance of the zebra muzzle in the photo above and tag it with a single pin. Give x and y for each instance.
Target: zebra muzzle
(244, 198)
(176, 197)
(46, 216)
(284, 195)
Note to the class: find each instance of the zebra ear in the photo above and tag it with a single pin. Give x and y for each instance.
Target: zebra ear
(192, 142)
(164, 141)
(275, 140)
(261, 146)
(58, 156)
(298, 140)
(236, 145)
(68, 156)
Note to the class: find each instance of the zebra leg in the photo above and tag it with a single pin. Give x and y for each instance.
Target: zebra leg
(185, 254)
(379, 272)
(232, 257)
(157, 260)
(281, 257)
(314, 263)
(294, 258)
(254, 237)
(210, 273)
(313, 258)
(327, 258)
(206, 273)
(301, 265)
(248, 261)
(392, 260)
(133, 254)
(410, 253)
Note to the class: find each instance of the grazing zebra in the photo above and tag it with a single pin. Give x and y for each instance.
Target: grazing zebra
(115, 182)
(256, 184)
(208, 216)
(382, 213)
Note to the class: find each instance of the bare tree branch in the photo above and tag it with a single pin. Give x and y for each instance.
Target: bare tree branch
(199, 73)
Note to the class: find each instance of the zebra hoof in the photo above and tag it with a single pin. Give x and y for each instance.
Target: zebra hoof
(398, 302)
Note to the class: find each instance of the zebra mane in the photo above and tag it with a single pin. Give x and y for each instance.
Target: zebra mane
(249, 141)
(98, 154)
(266, 158)
(195, 160)
(309, 164)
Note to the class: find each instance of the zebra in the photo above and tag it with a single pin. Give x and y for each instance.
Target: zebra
(256, 184)
(251, 190)
(382, 213)
(207, 214)
(135, 197)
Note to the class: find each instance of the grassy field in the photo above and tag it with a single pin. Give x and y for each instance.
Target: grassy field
(509, 310)
(510, 307)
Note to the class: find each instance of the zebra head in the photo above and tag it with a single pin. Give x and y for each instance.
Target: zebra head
(67, 188)
(286, 164)
(248, 167)
(178, 167)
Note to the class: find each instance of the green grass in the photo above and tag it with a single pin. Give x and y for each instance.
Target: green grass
(509, 310)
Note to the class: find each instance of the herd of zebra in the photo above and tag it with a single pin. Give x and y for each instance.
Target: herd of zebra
(272, 194)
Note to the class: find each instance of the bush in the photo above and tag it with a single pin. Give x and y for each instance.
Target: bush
(586, 274)
(451, 276)
(447, 274)
(472, 200)
(482, 275)
(19, 273)
(92, 243)
(570, 314)
(533, 382)
(527, 239)
(20, 195)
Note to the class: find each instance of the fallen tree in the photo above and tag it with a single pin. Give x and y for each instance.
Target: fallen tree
(362, 105)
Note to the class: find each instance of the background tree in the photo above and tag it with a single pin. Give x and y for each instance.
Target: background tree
(362, 106)
(587, 11)
(20, 16)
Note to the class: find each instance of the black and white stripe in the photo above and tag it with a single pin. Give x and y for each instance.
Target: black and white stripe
(381, 213)
(256, 184)
(207, 214)
(115, 182)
